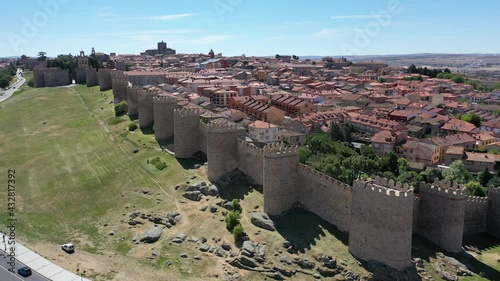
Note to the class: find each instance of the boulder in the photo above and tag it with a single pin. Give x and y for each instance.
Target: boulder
(152, 235)
(213, 209)
(204, 247)
(248, 249)
(262, 220)
(226, 246)
(180, 238)
(193, 195)
(248, 261)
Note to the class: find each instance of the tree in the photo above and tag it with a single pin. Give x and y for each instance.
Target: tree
(304, 155)
(4, 81)
(472, 118)
(238, 233)
(368, 151)
(31, 83)
(42, 56)
(474, 188)
(232, 219)
(336, 132)
(132, 126)
(278, 56)
(389, 163)
(457, 173)
(94, 62)
(121, 108)
(484, 177)
(494, 183)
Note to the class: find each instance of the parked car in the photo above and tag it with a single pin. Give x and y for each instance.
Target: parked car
(68, 248)
(24, 271)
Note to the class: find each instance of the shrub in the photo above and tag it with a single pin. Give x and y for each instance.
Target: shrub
(236, 205)
(232, 220)
(31, 83)
(160, 165)
(132, 126)
(121, 108)
(238, 233)
(114, 120)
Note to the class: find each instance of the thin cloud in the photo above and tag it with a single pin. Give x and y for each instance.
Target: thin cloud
(348, 17)
(328, 32)
(173, 17)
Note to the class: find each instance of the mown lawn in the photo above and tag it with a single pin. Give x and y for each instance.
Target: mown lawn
(74, 169)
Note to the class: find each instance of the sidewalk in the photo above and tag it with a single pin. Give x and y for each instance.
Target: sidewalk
(43, 266)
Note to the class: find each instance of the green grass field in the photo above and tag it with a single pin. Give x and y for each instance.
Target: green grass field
(72, 166)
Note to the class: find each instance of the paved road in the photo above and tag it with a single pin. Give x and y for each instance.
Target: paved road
(20, 81)
(5, 275)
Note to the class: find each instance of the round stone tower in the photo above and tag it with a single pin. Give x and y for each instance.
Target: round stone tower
(163, 107)
(119, 84)
(280, 178)
(145, 103)
(104, 79)
(187, 132)
(222, 148)
(133, 106)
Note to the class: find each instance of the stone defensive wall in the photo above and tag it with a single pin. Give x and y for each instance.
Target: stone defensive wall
(145, 108)
(326, 197)
(381, 224)
(441, 215)
(203, 133)
(50, 77)
(119, 83)
(81, 75)
(104, 79)
(163, 107)
(91, 77)
(493, 217)
(380, 215)
(476, 210)
(56, 78)
(251, 160)
(222, 138)
(280, 178)
(187, 132)
(132, 100)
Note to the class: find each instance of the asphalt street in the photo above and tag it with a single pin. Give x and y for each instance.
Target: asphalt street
(6, 275)
(7, 93)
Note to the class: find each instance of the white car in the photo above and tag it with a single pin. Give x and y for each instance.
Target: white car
(68, 248)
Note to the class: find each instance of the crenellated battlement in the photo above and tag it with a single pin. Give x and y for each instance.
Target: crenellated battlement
(250, 145)
(323, 178)
(476, 199)
(447, 184)
(280, 150)
(371, 186)
(165, 98)
(188, 112)
(145, 94)
(450, 191)
(390, 183)
(494, 191)
(223, 127)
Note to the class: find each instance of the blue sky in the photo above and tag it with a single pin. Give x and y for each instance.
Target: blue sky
(252, 27)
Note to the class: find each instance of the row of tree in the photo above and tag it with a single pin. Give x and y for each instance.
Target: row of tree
(334, 156)
(6, 75)
(68, 62)
(432, 73)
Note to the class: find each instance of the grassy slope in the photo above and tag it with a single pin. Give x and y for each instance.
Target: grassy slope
(70, 171)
